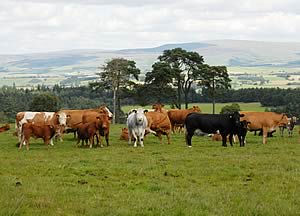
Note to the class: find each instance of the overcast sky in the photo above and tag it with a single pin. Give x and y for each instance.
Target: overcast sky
(48, 25)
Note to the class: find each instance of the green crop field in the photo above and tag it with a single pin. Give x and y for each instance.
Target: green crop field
(207, 179)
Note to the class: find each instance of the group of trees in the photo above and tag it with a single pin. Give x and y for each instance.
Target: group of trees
(172, 76)
(179, 76)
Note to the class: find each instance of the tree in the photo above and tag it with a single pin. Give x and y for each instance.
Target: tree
(116, 75)
(185, 68)
(44, 102)
(213, 78)
(230, 108)
(158, 83)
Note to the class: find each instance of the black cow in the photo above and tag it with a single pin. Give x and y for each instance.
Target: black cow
(227, 124)
(242, 132)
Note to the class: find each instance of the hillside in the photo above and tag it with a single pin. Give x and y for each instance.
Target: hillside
(261, 63)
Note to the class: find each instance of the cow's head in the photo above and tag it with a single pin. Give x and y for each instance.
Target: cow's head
(196, 109)
(235, 117)
(140, 115)
(62, 118)
(284, 119)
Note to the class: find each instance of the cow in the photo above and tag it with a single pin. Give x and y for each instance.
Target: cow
(137, 124)
(74, 117)
(124, 134)
(177, 117)
(46, 132)
(242, 132)
(103, 123)
(267, 121)
(290, 126)
(160, 123)
(88, 130)
(227, 124)
(39, 118)
(4, 128)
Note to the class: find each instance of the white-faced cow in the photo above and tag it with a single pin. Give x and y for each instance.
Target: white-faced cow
(137, 124)
(227, 124)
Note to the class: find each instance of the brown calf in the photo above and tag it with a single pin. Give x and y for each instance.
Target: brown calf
(4, 128)
(46, 132)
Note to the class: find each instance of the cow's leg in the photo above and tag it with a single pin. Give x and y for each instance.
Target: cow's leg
(135, 139)
(168, 138)
(142, 138)
(51, 142)
(107, 139)
(159, 137)
(230, 139)
(188, 137)
(91, 141)
(129, 137)
(265, 134)
(224, 139)
(78, 141)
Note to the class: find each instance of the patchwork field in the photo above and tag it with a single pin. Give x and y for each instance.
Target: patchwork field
(155, 180)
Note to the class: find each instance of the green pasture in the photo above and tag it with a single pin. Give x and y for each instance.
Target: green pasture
(207, 179)
(207, 107)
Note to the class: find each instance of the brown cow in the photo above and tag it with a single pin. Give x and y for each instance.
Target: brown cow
(160, 123)
(103, 122)
(267, 121)
(4, 128)
(87, 131)
(38, 118)
(177, 117)
(46, 132)
(124, 134)
(74, 117)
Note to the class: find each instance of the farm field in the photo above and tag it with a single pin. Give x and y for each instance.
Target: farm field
(207, 107)
(155, 180)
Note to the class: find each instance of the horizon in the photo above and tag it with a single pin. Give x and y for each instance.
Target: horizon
(153, 47)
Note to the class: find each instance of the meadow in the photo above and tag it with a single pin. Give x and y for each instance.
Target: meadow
(159, 179)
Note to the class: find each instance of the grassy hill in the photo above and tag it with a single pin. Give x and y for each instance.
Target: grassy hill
(268, 60)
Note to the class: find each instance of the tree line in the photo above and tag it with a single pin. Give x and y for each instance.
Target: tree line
(177, 77)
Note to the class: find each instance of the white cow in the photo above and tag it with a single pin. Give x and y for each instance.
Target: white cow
(137, 124)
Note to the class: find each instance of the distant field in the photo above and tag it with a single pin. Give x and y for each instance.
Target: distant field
(155, 180)
(207, 107)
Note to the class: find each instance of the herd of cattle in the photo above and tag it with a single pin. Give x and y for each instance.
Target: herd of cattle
(89, 124)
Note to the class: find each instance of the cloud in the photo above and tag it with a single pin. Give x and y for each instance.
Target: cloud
(44, 25)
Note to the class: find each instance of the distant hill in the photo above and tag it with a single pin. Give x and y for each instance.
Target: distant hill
(232, 53)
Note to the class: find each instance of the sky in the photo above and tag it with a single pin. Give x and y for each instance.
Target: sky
(29, 26)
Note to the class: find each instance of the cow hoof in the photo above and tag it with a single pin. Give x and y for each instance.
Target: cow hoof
(189, 146)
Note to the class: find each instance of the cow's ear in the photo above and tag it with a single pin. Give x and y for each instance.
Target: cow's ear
(145, 111)
(242, 115)
(97, 117)
(68, 116)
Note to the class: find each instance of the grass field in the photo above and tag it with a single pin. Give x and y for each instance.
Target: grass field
(207, 107)
(155, 180)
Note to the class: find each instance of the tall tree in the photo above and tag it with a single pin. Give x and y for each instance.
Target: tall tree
(214, 78)
(185, 68)
(114, 76)
(158, 82)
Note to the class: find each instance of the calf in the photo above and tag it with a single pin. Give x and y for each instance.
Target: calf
(87, 131)
(227, 124)
(4, 128)
(46, 132)
(242, 132)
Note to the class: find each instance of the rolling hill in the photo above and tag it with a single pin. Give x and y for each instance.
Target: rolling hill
(250, 58)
